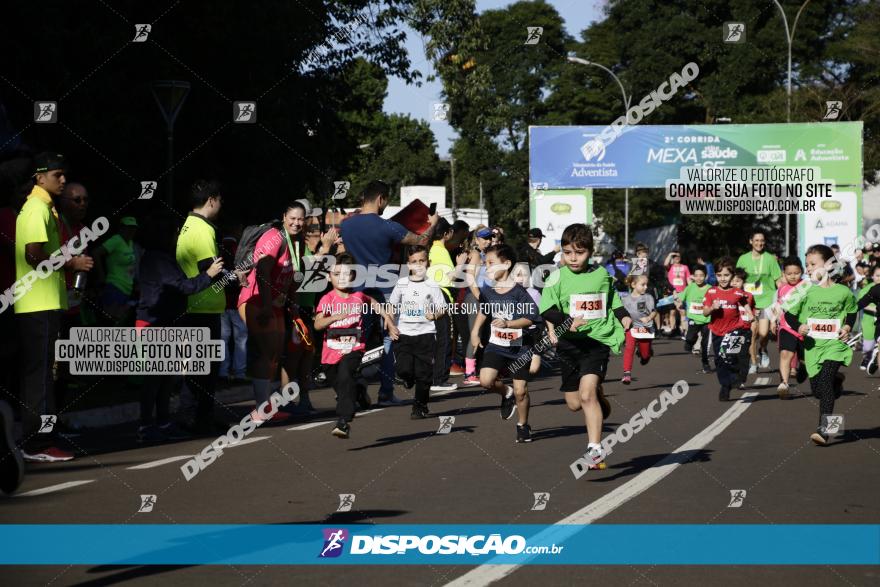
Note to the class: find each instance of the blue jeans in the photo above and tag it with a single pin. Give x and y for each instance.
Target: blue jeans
(233, 331)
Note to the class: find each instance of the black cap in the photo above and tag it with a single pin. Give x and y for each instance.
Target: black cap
(48, 161)
(536, 233)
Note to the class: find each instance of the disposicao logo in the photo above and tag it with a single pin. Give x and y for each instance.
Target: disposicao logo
(334, 542)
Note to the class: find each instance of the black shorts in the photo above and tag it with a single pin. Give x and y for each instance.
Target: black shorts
(579, 357)
(502, 364)
(788, 341)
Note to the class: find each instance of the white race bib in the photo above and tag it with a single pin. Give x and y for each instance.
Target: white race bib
(823, 328)
(507, 337)
(677, 281)
(755, 289)
(695, 308)
(587, 306)
(641, 332)
(412, 313)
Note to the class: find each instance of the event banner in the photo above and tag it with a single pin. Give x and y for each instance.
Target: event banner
(553, 210)
(645, 156)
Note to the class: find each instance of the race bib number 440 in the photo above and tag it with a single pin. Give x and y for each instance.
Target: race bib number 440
(507, 337)
(587, 306)
(823, 328)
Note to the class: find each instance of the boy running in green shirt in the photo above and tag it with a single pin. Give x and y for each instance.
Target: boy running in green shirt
(698, 323)
(581, 300)
(824, 315)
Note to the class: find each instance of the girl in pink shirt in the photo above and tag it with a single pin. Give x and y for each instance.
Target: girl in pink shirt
(791, 344)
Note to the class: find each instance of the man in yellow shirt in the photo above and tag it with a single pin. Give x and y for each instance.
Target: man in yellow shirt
(41, 296)
(196, 250)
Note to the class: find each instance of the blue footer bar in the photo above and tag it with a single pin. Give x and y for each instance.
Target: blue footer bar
(625, 544)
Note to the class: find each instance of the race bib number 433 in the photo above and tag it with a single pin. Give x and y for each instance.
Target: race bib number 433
(587, 306)
(823, 328)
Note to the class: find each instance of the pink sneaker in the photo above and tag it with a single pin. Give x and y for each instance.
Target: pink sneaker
(627, 378)
(470, 381)
(261, 418)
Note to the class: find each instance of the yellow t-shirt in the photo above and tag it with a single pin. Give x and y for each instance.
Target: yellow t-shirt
(197, 241)
(37, 223)
(440, 267)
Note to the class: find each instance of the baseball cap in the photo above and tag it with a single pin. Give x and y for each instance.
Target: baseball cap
(485, 233)
(48, 161)
(128, 221)
(536, 233)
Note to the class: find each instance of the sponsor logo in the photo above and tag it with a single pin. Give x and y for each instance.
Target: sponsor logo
(737, 497)
(541, 500)
(147, 504)
(771, 156)
(346, 502)
(334, 542)
(830, 205)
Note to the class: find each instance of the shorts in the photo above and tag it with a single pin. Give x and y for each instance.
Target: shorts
(765, 314)
(502, 364)
(789, 342)
(581, 357)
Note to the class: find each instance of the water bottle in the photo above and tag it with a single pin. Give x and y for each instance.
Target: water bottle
(79, 281)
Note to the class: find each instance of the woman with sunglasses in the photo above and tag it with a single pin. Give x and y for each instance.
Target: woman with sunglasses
(476, 268)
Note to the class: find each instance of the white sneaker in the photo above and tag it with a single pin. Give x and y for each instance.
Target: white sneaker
(753, 369)
(444, 387)
(595, 455)
(782, 390)
(765, 360)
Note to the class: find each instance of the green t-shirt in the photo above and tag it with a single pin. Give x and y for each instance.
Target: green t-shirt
(37, 224)
(825, 304)
(868, 321)
(596, 286)
(198, 241)
(762, 274)
(120, 263)
(692, 296)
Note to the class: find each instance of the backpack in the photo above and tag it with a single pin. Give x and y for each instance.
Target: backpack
(244, 256)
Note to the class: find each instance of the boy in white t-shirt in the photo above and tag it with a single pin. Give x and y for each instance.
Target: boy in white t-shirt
(416, 303)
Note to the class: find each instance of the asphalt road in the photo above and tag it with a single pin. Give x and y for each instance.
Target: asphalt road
(401, 471)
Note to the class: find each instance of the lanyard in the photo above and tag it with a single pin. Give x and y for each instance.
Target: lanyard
(294, 256)
(760, 269)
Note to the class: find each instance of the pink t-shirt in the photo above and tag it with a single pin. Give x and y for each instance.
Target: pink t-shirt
(781, 296)
(678, 275)
(355, 305)
(272, 244)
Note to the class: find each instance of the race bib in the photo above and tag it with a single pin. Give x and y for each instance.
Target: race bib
(695, 308)
(412, 313)
(823, 328)
(731, 344)
(507, 337)
(677, 281)
(745, 314)
(587, 306)
(641, 332)
(755, 289)
(344, 344)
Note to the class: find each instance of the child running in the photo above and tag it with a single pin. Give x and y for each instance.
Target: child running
(730, 333)
(697, 322)
(417, 303)
(640, 306)
(341, 313)
(791, 343)
(747, 313)
(513, 312)
(582, 297)
(824, 314)
(869, 320)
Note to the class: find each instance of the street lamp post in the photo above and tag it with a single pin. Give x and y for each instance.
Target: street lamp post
(626, 100)
(789, 36)
(170, 96)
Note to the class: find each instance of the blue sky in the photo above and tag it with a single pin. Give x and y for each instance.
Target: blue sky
(417, 102)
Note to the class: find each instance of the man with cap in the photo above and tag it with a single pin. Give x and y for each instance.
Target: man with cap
(531, 252)
(38, 310)
(116, 270)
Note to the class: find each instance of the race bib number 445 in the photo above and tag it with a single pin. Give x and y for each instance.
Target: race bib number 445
(823, 328)
(587, 306)
(507, 337)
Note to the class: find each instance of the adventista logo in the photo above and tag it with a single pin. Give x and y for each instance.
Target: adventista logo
(334, 542)
(593, 149)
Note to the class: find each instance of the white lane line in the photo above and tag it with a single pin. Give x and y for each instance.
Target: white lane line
(247, 441)
(54, 488)
(762, 380)
(323, 422)
(160, 462)
(565, 528)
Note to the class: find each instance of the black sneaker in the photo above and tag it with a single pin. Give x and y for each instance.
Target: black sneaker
(342, 429)
(839, 378)
(872, 363)
(363, 398)
(724, 393)
(11, 463)
(706, 368)
(865, 360)
(801, 372)
(508, 405)
(603, 402)
(419, 412)
(819, 437)
(523, 433)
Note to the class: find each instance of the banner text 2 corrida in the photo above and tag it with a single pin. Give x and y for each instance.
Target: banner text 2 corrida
(648, 156)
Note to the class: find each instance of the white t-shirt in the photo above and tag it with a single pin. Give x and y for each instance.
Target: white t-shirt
(411, 301)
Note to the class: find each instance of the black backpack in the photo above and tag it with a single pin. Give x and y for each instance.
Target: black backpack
(244, 256)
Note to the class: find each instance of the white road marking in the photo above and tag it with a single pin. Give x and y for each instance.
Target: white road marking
(565, 528)
(323, 422)
(247, 441)
(54, 488)
(160, 462)
(762, 380)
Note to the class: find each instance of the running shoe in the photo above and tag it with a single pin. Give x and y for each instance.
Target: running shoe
(11, 469)
(820, 437)
(627, 378)
(52, 454)
(603, 403)
(753, 368)
(765, 360)
(706, 368)
(342, 429)
(278, 417)
(508, 404)
(172, 431)
(456, 371)
(419, 412)
(872, 362)
(688, 347)
(782, 390)
(839, 378)
(724, 393)
(149, 435)
(596, 457)
(470, 381)
(386, 400)
(444, 387)
(865, 360)
(362, 398)
(523, 433)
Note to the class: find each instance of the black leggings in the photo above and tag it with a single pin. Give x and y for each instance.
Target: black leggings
(693, 332)
(732, 368)
(822, 386)
(342, 376)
